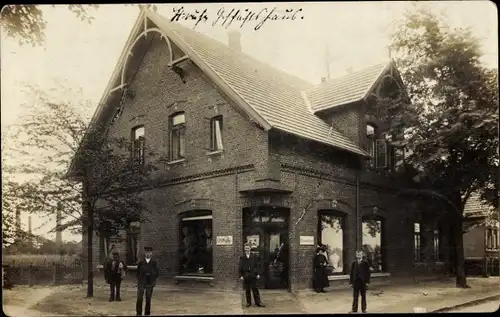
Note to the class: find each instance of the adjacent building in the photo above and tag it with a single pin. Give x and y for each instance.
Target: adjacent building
(482, 238)
(256, 155)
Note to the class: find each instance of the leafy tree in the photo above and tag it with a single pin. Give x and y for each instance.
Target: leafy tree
(46, 140)
(26, 22)
(451, 127)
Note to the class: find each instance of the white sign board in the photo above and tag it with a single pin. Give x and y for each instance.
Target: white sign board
(224, 240)
(306, 240)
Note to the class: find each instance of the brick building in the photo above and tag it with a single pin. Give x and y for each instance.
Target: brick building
(254, 154)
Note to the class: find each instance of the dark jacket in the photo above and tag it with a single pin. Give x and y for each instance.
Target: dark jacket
(360, 271)
(147, 273)
(320, 272)
(113, 274)
(249, 267)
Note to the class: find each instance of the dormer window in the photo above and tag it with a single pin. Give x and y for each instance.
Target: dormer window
(378, 146)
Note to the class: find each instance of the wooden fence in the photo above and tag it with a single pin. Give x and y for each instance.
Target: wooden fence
(41, 272)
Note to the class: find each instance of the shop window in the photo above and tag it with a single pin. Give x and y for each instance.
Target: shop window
(138, 144)
(177, 136)
(195, 243)
(372, 242)
(331, 234)
(216, 134)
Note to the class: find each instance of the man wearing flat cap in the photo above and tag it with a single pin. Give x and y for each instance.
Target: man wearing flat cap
(147, 273)
(114, 271)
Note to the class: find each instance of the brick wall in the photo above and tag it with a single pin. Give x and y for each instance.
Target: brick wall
(249, 154)
(348, 120)
(159, 93)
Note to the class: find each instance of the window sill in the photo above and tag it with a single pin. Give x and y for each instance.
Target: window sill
(100, 267)
(218, 152)
(197, 278)
(176, 161)
(346, 276)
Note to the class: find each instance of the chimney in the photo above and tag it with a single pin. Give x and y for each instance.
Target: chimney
(323, 79)
(234, 40)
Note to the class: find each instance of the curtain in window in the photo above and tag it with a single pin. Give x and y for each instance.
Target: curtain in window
(218, 135)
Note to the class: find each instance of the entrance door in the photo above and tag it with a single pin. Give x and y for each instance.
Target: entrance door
(266, 229)
(275, 258)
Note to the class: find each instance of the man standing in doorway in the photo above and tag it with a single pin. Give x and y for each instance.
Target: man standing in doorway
(359, 279)
(249, 274)
(147, 273)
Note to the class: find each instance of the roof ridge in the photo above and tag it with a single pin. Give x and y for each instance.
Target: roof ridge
(266, 66)
(345, 76)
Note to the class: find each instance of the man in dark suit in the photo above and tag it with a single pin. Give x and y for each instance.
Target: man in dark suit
(249, 274)
(114, 270)
(147, 273)
(359, 279)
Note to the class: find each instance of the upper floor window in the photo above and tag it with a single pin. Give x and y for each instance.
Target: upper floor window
(177, 136)
(216, 134)
(382, 153)
(370, 143)
(138, 145)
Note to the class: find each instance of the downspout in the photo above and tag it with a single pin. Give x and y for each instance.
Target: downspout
(358, 213)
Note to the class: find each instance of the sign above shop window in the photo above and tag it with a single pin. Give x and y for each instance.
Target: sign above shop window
(224, 240)
(306, 240)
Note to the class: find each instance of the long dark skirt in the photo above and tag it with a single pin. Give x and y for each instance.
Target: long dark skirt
(320, 278)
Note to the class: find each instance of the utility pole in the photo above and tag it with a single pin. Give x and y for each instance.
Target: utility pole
(328, 62)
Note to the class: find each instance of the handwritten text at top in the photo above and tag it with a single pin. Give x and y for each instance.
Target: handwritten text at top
(225, 17)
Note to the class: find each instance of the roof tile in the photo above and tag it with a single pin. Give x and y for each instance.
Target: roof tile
(274, 94)
(346, 89)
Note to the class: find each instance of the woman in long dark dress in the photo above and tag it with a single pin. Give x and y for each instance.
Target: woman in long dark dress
(320, 275)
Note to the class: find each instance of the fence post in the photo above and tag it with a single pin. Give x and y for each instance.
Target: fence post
(54, 273)
(30, 274)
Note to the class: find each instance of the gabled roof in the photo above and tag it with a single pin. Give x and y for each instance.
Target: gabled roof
(275, 95)
(346, 89)
(275, 99)
(474, 207)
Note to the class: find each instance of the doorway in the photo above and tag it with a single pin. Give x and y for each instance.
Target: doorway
(266, 229)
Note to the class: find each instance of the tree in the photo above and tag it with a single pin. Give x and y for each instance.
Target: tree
(46, 140)
(451, 127)
(26, 22)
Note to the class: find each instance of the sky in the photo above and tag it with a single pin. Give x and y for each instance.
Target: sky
(82, 56)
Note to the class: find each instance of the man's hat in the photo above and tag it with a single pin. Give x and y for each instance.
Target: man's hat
(115, 252)
(148, 249)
